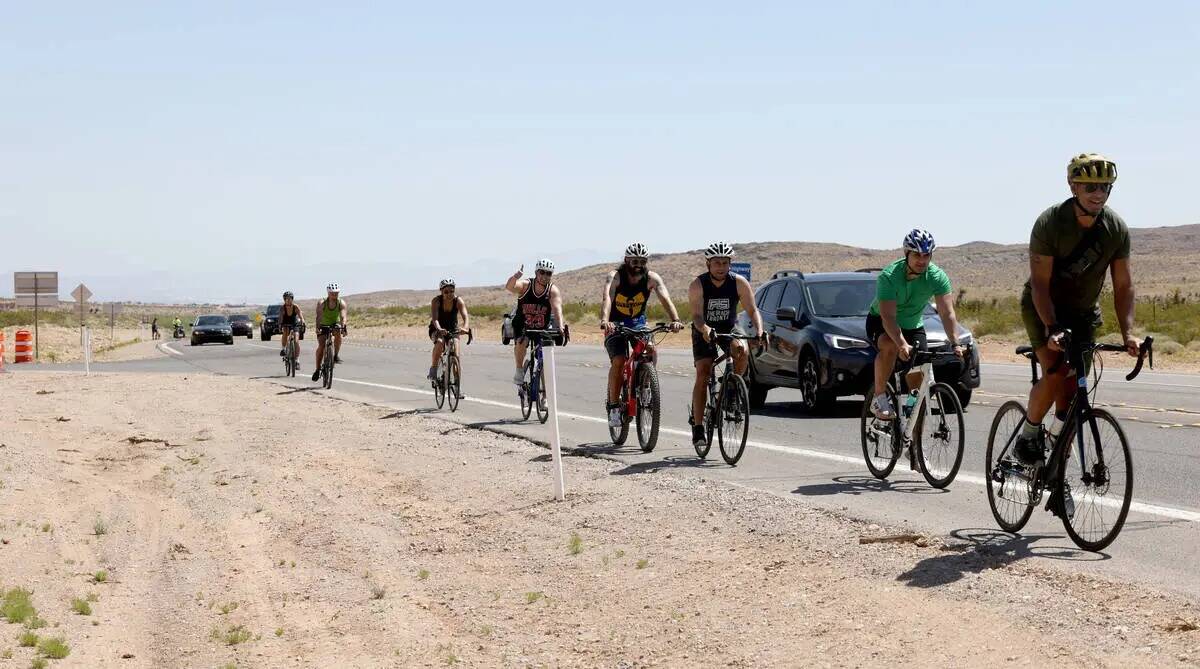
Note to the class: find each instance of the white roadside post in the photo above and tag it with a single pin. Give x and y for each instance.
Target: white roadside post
(87, 350)
(555, 445)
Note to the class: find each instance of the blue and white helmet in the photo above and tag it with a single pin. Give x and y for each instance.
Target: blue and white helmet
(919, 241)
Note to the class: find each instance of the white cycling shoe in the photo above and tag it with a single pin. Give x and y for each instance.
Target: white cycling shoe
(881, 407)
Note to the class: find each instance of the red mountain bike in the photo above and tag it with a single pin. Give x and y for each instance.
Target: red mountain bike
(640, 400)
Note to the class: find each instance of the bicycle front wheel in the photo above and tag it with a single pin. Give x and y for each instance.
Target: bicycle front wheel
(439, 386)
(526, 392)
(649, 406)
(543, 411)
(453, 383)
(940, 436)
(1097, 488)
(880, 439)
(1010, 487)
(327, 368)
(733, 425)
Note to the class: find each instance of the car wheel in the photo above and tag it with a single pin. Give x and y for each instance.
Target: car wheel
(964, 394)
(815, 399)
(758, 393)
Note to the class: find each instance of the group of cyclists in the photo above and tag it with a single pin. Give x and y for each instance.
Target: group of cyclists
(1073, 246)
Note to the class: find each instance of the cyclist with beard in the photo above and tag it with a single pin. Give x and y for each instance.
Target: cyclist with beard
(624, 303)
(714, 297)
(539, 307)
(1072, 246)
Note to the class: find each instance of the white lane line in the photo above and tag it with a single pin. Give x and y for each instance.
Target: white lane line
(167, 347)
(1135, 382)
(1136, 506)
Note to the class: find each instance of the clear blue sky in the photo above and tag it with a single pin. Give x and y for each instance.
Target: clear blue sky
(143, 136)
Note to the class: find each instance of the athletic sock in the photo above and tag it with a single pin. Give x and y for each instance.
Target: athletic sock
(1030, 430)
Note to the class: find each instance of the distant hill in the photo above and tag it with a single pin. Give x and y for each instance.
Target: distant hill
(1164, 259)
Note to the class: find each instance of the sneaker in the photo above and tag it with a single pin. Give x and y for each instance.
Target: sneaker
(698, 438)
(337, 360)
(881, 407)
(316, 375)
(519, 377)
(281, 352)
(432, 374)
(1029, 451)
(615, 418)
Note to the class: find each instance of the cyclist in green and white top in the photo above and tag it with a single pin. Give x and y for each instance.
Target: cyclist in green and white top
(895, 325)
(331, 311)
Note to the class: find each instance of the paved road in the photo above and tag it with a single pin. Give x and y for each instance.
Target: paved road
(817, 459)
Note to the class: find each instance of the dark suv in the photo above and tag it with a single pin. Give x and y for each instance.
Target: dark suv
(242, 326)
(270, 322)
(817, 323)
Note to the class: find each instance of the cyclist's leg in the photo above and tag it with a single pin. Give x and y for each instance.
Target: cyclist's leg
(740, 354)
(321, 339)
(917, 339)
(617, 347)
(337, 343)
(283, 340)
(519, 346)
(703, 355)
(886, 353)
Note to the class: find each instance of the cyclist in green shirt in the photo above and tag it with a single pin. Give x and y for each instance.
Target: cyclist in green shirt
(1073, 246)
(895, 325)
(331, 323)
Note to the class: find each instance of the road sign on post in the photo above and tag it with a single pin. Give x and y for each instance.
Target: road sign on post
(36, 289)
(81, 295)
(742, 268)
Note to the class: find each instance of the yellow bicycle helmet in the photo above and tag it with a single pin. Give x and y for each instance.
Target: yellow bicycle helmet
(1091, 168)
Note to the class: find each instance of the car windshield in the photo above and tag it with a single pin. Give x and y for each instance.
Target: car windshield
(274, 309)
(841, 298)
(212, 320)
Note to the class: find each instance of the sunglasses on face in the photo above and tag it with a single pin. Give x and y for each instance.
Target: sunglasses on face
(542, 272)
(640, 262)
(1092, 188)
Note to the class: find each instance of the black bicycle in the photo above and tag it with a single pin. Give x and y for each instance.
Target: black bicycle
(447, 382)
(291, 353)
(728, 409)
(1091, 492)
(532, 392)
(928, 424)
(327, 359)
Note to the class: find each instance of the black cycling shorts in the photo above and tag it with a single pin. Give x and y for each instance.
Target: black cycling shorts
(702, 350)
(915, 337)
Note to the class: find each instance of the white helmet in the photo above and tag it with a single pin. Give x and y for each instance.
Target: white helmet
(718, 250)
(445, 282)
(636, 250)
(332, 287)
(545, 264)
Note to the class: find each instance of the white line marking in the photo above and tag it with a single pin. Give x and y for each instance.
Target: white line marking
(167, 347)
(1135, 506)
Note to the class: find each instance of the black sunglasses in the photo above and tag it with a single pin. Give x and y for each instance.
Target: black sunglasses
(1092, 188)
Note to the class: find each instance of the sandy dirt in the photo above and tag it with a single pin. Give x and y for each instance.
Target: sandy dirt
(244, 524)
(62, 344)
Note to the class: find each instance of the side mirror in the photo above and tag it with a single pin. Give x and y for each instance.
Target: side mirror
(786, 314)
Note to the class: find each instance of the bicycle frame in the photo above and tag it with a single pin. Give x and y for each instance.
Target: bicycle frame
(640, 351)
(909, 423)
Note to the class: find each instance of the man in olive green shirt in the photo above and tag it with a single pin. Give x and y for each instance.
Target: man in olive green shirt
(1073, 246)
(895, 323)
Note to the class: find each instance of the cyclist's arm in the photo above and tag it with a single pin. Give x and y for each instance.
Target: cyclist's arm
(664, 296)
(342, 312)
(887, 313)
(610, 289)
(746, 296)
(696, 305)
(433, 314)
(1040, 269)
(945, 309)
(515, 284)
(556, 308)
(464, 314)
(1122, 281)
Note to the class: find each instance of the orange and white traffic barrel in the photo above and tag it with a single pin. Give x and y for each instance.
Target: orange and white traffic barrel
(23, 350)
(2, 351)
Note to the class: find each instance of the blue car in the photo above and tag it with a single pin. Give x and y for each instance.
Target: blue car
(817, 323)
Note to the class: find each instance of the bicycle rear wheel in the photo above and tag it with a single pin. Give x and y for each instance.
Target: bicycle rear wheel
(453, 383)
(327, 367)
(1100, 487)
(941, 434)
(288, 362)
(880, 438)
(620, 434)
(649, 406)
(733, 425)
(1010, 487)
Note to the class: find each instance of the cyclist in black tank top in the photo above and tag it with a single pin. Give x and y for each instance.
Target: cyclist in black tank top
(539, 306)
(289, 317)
(624, 302)
(714, 298)
(442, 319)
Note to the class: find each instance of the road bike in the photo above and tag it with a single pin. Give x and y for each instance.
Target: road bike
(532, 391)
(1091, 485)
(727, 412)
(447, 380)
(291, 353)
(327, 358)
(928, 424)
(640, 400)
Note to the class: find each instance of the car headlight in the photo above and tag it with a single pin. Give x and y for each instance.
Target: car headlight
(842, 342)
(966, 339)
